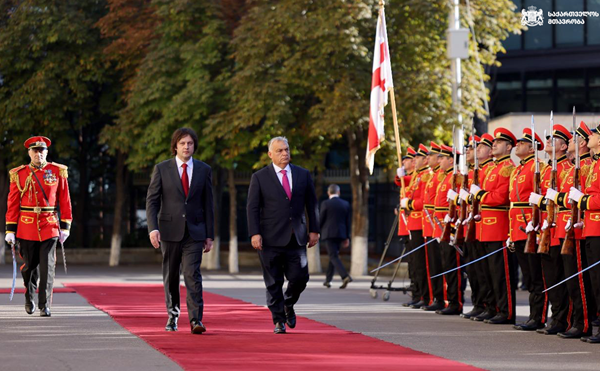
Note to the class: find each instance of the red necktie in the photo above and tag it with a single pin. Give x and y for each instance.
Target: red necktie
(286, 184)
(185, 182)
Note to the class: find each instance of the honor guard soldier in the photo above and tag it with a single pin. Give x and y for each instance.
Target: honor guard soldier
(522, 183)
(432, 250)
(454, 284)
(403, 177)
(38, 194)
(493, 197)
(552, 263)
(414, 204)
(588, 200)
(574, 257)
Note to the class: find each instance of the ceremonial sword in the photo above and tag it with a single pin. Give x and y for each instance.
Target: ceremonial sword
(14, 261)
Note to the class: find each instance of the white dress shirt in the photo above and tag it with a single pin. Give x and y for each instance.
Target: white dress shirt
(190, 168)
(280, 175)
(333, 196)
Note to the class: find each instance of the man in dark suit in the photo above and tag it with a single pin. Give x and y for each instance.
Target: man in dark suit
(335, 230)
(179, 209)
(278, 196)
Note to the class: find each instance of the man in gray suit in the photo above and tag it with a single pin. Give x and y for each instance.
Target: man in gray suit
(179, 209)
(335, 231)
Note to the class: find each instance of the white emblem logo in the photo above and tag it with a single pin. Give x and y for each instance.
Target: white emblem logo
(532, 17)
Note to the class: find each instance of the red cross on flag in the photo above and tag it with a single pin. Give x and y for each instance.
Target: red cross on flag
(380, 86)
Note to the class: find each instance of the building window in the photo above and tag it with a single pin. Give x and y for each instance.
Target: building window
(570, 91)
(594, 89)
(508, 95)
(572, 34)
(539, 37)
(592, 24)
(539, 92)
(513, 41)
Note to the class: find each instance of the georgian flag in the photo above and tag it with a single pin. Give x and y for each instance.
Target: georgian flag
(380, 86)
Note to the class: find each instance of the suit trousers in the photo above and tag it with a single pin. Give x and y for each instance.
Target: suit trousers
(418, 262)
(580, 288)
(434, 267)
(455, 282)
(500, 275)
(42, 254)
(531, 266)
(186, 256)
(335, 263)
(554, 272)
(277, 264)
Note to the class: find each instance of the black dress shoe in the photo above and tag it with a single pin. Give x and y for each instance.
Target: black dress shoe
(345, 282)
(530, 325)
(596, 322)
(475, 312)
(594, 339)
(419, 304)
(290, 316)
(574, 333)
(550, 330)
(171, 324)
(197, 327)
(499, 319)
(45, 312)
(279, 328)
(450, 311)
(30, 307)
(433, 307)
(411, 303)
(585, 338)
(487, 314)
(327, 284)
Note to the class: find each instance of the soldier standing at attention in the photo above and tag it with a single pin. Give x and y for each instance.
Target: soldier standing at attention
(38, 194)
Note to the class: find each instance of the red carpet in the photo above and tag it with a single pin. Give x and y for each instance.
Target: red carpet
(239, 336)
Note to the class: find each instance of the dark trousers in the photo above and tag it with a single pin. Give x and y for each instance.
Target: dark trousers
(580, 288)
(531, 266)
(500, 275)
(283, 262)
(42, 254)
(335, 263)
(455, 281)
(418, 261)
(185, 256)
(434, 267)
(472, 252)
(554, 272)
(592, 249)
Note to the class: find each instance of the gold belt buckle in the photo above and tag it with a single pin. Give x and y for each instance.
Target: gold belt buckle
(37, 210)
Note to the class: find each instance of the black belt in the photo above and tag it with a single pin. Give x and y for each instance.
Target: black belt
(38, 209)
(495, 208)
(520, 205)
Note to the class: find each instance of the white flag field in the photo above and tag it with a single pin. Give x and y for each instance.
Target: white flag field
(381, 84)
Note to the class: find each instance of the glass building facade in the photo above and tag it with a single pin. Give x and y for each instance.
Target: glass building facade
(550, 67)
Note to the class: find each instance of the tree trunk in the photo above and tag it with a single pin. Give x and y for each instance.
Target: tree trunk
(360, 202)
(314, 253)
(120, 197)
(4, 188)
(211, 260)
(233, 240)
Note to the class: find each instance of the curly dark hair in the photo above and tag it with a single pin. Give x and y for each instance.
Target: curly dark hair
(180, 133)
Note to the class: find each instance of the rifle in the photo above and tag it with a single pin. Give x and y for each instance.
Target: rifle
(544, 246)
(447, 230)
(471, 232)
(459, 235)
(569, 242)
(535, 214)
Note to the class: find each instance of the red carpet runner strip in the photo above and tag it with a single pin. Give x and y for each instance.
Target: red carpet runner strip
(240, 336)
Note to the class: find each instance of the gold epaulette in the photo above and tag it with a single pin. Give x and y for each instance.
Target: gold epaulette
(14, 173)
(507, 170)
(441, 176)
(585, 170)
(63, 170)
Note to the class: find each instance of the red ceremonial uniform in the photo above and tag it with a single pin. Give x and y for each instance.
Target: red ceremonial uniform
(590, 203)
(416, 202)
(521, 186)
(563, 168)
(402, 227)
(494, 199)
(27, 213)
(484, 169)
(429, 201)
(441, 203)
(566, 182)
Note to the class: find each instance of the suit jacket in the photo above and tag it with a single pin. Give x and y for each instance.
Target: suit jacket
(335, 218)
(272, 215)
(167, 208)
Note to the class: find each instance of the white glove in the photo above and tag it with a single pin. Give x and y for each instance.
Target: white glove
(575, 195)
(400, 172)
(63, 236)
(451, 195)
(529, 228)
(447, 218)
(508, 242)
(534, 198)
(544, 225)
(10, 238)
(464, 195)
(474, 189)
(404, 203)
(568, 225)
(551, 194)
